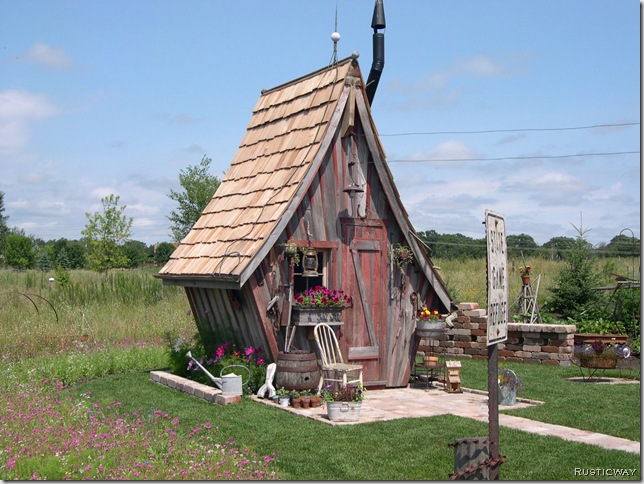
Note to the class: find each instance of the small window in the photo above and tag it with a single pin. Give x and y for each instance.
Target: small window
(302, 283)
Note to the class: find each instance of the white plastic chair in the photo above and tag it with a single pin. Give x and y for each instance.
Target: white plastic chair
(333, 366)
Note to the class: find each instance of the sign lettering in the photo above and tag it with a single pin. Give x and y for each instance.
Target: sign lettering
(497, 278)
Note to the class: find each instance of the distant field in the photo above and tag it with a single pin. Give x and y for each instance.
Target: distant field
(134, 306)
(466, 279)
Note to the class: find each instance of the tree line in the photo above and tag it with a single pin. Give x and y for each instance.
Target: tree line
(106, 241)
(458, 246)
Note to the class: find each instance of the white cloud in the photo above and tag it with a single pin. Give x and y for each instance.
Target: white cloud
(18, 204)
(53, 207)
(446, 153)
(17, 109)
(102, 192)
(48, 56)
(18, 104)
(479, 66)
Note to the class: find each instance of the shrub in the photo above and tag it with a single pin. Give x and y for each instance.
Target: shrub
(573, 289)
(216, 360)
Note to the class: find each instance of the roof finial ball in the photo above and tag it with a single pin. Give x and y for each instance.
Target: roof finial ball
(335, 37)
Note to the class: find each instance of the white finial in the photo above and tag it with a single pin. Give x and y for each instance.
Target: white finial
(335, 37)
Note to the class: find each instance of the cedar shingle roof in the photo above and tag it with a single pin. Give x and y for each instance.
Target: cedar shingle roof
(283, 137)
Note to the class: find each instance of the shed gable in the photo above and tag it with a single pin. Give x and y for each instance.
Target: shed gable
(282, 141)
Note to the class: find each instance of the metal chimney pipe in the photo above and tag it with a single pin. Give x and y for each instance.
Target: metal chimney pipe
(378, 63)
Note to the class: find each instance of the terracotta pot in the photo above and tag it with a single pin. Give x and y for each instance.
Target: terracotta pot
(430, 360)
(526, 280)
(297, 402)
(306, 402)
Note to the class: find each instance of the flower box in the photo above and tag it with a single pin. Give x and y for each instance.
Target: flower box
(314, 316)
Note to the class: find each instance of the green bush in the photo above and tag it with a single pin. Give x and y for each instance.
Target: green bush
(573, 292)
(215, 357)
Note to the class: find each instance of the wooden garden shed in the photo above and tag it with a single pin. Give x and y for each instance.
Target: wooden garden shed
(310, 171)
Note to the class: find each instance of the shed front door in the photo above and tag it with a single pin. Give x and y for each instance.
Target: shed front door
(364, 276)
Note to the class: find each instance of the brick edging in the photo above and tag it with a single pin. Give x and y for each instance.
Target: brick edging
(196, 389)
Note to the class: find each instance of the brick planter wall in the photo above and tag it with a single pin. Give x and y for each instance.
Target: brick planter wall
(550, 344)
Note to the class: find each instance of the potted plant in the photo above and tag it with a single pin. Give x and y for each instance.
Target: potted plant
(403, 255)
(316, 400)
(429, 323)
(283, 396)
(600, 355)
(306, 399)
(509, 387)
(344, 404)
(319, 305)
(296, 399)
(292, 250)
(525, 274)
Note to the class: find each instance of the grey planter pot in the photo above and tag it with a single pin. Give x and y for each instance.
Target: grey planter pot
(344, 411)
(430, 329)
(507, 395)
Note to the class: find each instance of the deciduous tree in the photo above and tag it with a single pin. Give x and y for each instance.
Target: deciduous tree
(106, 232)
(198, 188)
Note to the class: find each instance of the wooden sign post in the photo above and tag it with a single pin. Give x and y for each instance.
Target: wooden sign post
(497, 323)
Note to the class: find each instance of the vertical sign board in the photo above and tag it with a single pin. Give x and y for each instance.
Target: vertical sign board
(497, 324)
(497, 279)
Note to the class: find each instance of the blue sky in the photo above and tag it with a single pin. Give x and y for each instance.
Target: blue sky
(118, 96)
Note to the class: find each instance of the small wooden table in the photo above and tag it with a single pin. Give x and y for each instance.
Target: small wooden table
(433, 372)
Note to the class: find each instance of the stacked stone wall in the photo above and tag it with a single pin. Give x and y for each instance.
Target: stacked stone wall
(550, 344)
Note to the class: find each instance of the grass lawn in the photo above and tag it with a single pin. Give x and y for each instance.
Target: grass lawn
(607, 409)
(405, 449)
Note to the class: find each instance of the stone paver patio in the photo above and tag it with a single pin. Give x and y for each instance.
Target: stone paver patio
(414, 402)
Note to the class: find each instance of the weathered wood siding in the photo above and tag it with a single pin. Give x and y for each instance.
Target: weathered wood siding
(358, 233)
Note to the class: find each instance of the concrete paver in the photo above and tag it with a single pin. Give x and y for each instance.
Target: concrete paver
(412, 402)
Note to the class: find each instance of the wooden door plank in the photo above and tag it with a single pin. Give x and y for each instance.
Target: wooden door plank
(363, 296)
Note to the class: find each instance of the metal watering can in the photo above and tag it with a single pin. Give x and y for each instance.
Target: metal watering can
(229, 384)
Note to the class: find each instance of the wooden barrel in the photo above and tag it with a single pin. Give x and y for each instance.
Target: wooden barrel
(297, 370)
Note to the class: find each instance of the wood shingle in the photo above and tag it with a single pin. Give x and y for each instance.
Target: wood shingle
(282, 139)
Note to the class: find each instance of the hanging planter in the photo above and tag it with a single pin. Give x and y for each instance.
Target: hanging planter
(430, 329)
(429, 324)
(402, 255)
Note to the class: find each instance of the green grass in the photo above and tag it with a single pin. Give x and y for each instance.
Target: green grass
(404, 449)
(607, 409)
(100, 338)
(133, 307)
